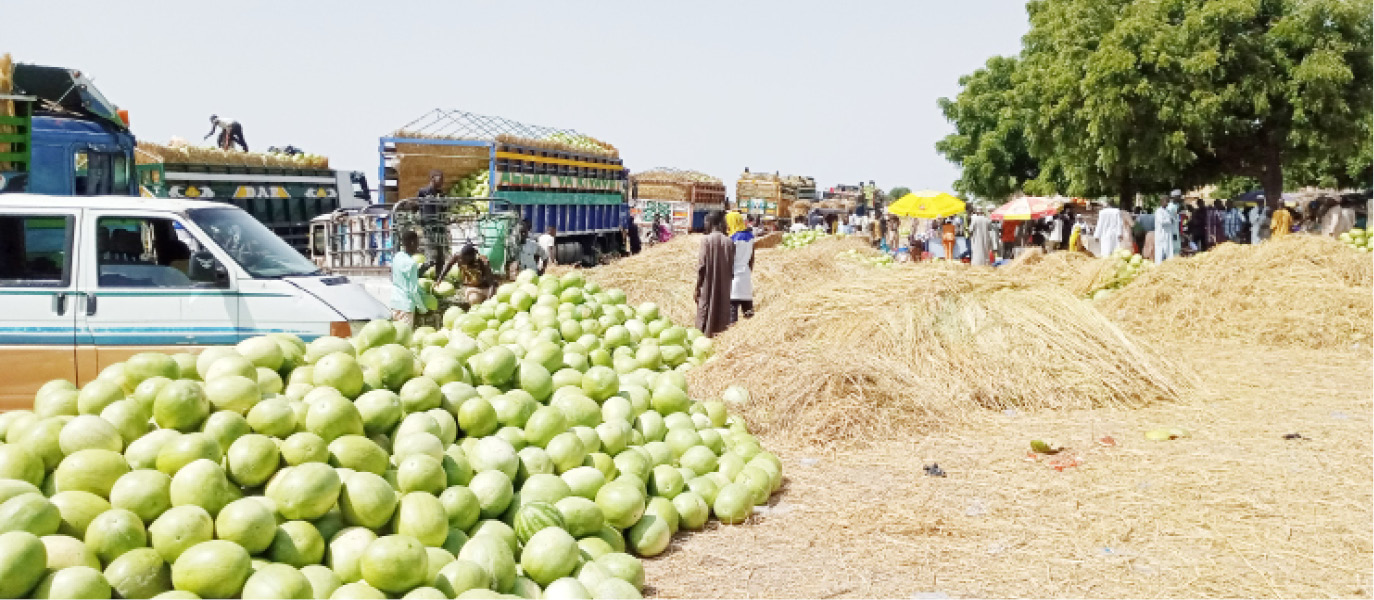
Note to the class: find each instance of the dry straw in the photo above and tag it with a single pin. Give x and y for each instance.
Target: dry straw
(841, 353)
(1298, 291)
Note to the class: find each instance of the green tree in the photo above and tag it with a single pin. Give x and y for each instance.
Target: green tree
(1106, 115)
(898, 192)
(989, 141)
(1283, 92)
(1140, 96)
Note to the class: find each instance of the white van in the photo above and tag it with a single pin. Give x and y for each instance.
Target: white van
(89, 281)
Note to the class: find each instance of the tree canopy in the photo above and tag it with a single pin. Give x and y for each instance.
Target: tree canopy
(1140, 96)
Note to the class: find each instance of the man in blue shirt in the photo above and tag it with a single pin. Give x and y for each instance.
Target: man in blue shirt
(406, 299)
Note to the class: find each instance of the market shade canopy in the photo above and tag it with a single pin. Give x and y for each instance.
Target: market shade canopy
(1025, 208)
(926, 204)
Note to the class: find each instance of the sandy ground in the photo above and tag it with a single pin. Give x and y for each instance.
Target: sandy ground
(1232, 510)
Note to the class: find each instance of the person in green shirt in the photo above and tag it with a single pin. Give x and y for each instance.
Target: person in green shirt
(406, 299)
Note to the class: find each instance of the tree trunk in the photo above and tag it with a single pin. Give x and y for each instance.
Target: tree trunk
(1272, 178)
(1126, 199)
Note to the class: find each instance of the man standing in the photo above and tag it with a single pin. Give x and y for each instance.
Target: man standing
(547, 242)
(1259, 222)
(630, 232)
(715, 275)
(406, 299)
(1109, 230)
(1216, 224)
(230, 133)
(980, 239)
(532, 255)
(1166, 243)
(1233, 223)
(1197, 226)
(1281, 223)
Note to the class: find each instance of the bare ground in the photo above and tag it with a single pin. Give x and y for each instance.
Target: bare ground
(1232, 510)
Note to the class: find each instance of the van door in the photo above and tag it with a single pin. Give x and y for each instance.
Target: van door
(38, 274)
(154, 286)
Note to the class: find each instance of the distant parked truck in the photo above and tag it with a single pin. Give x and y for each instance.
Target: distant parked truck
(773, 195)
(548, 177)
(683, 198)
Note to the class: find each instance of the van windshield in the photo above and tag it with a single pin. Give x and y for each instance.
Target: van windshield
(254, 247)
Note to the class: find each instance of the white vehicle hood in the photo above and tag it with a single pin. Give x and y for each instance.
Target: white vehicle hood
(348, 298)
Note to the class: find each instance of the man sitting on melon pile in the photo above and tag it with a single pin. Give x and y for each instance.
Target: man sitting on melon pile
(474, 271)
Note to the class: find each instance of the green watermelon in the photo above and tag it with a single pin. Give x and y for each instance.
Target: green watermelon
(535, 516)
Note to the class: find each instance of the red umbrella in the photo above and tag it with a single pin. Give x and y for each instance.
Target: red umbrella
(1025, 208)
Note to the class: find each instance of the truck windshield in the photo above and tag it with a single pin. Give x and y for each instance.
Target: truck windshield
(254, 247)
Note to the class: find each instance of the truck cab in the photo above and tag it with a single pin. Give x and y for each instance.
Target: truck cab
(64, 138)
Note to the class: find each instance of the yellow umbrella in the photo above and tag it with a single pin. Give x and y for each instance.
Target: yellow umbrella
(926, 204)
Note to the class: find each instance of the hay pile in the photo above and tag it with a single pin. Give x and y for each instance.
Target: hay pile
(841, 354)
(1076, 272)
(885, 353)
(666, 273)
(1300, 291)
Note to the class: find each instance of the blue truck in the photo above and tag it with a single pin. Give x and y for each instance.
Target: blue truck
(60, 136)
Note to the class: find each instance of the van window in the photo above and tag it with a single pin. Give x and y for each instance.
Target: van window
(35, 250)
(152, 252)
(254, 247)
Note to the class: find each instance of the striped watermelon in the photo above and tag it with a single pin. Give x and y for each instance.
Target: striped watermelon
(535, 516)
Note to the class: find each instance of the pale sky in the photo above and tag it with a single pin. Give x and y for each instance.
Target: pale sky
(841, 91)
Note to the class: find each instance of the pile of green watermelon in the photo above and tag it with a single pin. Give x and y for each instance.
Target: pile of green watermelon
(535, 446)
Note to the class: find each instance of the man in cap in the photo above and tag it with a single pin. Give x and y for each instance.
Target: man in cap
(230, 133)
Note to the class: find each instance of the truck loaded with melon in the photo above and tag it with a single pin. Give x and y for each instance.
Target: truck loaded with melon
(682, 198)
(284, 192)
(773, 195)
(60, 136)
(546, 176)
(481, 176)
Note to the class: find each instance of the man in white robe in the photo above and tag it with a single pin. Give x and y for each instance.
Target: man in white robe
(980, 239)
(1166, 232)
(1108, 230)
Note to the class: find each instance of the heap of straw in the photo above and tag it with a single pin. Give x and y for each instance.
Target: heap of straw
(1297, 291)
(888, 352)
(839, 353)
(1076, 272)
(666, 273)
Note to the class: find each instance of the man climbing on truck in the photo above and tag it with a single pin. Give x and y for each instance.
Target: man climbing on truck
(230, 133)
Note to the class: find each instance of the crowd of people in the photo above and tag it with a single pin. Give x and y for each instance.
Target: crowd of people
(724, 282)
(1179, 226)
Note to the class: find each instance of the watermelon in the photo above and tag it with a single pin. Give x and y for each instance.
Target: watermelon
(535, 516)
